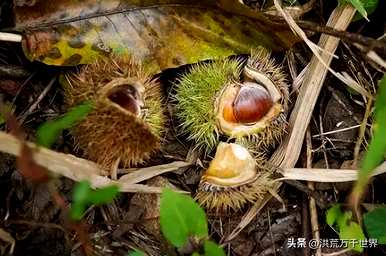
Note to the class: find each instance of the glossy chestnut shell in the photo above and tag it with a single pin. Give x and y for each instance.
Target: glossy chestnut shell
(251, 103)
(232, 165)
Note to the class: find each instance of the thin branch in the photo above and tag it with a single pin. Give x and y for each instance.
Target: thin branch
(312, 203)
(37, 101)
(13, 71)
(352, 38)
(10, 37)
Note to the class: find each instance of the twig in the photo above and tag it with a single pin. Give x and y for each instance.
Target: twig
(373, 56)
(10, 37)
(38, 100)
(149, 172)
(305, 217)
(348, 37)
(336, 131)
(13, 71)
(362, 131)
(341, 252)
(326, 175)
(312, 203)
(271, 233)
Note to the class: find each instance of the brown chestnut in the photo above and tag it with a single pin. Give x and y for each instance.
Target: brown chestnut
(249, 106)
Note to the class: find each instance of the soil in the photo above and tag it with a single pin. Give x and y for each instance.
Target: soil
(40, 227)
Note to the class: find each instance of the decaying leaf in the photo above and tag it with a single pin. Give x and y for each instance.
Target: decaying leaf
(25, 161)
(161, 33)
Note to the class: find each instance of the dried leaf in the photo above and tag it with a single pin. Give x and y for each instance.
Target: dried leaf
(29, 168)
(162, 34)
(26, 163)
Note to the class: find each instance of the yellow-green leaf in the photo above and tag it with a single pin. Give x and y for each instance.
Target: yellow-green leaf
(161, 33)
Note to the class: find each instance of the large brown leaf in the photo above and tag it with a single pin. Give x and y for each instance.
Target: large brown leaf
(161, 33)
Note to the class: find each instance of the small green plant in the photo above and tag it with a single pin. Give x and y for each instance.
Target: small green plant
(345, 226)
(5, 110)
(48, 132)
(376, 151)
(184, 224)
(136, 253)
(374, 221)
(83, 196)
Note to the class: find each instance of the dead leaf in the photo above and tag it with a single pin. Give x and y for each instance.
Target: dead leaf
(29, 168)
(25, 161)
(161, 33)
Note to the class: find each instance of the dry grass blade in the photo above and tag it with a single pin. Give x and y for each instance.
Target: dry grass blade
(71, 167)
(150, 172)
(326, 175)
(313, 212)
(373, 56)
(356, 86)
(286, 156)
(6, 237)
(9, 37)
(313, 47)
(64, 164)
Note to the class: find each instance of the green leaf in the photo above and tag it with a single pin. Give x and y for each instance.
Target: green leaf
(346, 228)
(344, 219)
(77, 210)
(83, 196)
(359, 5)
(377, 148)
(136, 253)
(181, 217)
(104, 195)
(49, 131)
(375, 224)
(370, 6)
(5, 109)
(333, 214)
(81, 191)
(350, 232)
(213, 249)
(79, 199)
